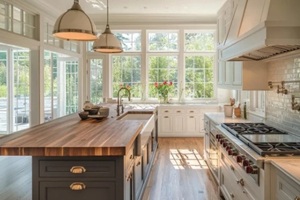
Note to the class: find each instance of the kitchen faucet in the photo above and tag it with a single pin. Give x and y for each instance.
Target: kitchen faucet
(120, 100)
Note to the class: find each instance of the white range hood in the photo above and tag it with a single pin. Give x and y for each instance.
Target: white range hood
(261, 29)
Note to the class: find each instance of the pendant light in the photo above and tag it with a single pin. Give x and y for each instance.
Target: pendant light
(107, 41)
(75, 24)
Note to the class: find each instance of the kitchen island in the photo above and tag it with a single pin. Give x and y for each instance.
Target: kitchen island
(82, 159)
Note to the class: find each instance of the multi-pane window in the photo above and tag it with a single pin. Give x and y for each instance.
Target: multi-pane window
(14, 89)
(162, 41)
(17, 20)
(199, 77)
(127, 72)
(131, 41)
(162, 68)
(126, 69)
(60, 85)
(96, 80)
(199, 65)
(162, 59)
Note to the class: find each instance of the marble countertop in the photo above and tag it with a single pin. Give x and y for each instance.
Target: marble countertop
(288, 166)
(219, 117)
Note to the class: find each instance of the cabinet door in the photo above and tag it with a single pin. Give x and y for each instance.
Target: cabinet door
(177, 121)
(55, 190)
(237, 74)
(138, 176)
(228, 73)
(165, 124)
(221, 73)
(192, 124)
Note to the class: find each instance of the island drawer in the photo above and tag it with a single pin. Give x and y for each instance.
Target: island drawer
(76, 168)
(77, 190)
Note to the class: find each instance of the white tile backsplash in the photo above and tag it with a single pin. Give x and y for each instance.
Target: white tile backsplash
(279, 111)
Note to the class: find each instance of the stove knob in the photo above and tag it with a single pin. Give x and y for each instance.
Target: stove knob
(221, 141)
(225, 144)
(228, 147)
(254, 169)
(249, 169)
(234, 152)
(218, 136)
(239, 158)
(245, 162)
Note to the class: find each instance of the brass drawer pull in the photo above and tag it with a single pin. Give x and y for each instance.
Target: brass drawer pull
(77, 170)
(166, 117)
(191, 116)
(231, 195)
(77, 186)
(191, 111)
(166, 111)
(138, 163)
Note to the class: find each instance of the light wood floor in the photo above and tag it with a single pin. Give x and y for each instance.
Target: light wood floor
(180, 172)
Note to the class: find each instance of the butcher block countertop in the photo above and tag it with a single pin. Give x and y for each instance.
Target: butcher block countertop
(70, 136)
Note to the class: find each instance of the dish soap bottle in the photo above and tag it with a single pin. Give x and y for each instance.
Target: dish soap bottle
(245, 111)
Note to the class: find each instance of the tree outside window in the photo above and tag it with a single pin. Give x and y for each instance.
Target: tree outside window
(127, 72)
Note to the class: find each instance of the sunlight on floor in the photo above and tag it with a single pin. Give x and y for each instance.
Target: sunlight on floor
(187, 158)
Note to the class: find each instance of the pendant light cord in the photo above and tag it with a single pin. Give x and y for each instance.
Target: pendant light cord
(107, 14)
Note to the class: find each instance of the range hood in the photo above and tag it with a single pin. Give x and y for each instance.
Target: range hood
(262, 29)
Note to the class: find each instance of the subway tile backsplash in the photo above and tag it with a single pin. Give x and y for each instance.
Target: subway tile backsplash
(279, 111)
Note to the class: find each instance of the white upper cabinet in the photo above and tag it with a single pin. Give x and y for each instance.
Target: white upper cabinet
(249, 75)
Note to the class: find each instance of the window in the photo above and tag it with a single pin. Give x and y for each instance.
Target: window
(199, 77)
(199, 64)
(96, 80)
(162, 68)
(131, 41)
(126, 69)
(162, 41)
(60, 85)
(14, 89)
(127, 72)
(16, 20)
(163, 47)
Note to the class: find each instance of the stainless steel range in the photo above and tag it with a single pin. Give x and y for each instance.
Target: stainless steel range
(265, 140)
(243, 150)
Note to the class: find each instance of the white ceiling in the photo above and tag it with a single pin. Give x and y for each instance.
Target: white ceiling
(135, 10)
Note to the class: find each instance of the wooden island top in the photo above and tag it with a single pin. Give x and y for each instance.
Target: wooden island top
(70, 136)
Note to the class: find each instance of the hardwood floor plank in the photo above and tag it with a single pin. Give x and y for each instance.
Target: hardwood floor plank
(180, 173)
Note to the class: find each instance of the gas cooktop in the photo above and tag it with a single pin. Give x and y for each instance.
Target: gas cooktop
(265, 140)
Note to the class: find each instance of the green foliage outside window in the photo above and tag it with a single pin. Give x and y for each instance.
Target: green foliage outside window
(127, 71)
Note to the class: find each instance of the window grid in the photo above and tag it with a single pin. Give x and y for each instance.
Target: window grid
(16, 20)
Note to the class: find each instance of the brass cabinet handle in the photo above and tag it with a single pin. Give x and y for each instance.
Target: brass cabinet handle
(76, 186)
(166, 117)
(166, 111)
(232, 195)
(77, 170)
(178, 111)
(137, 164)
(191, 116)
(191, 111)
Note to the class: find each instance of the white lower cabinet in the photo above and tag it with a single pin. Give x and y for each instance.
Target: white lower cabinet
(182, 121)
(285, 188)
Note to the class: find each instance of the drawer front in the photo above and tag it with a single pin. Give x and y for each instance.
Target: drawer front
(165, 111)
(77, 190)
(71, 169)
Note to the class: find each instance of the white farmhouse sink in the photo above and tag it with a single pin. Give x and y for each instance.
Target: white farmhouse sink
(136, 116)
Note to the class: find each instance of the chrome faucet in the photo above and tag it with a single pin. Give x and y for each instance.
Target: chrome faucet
(120, 100)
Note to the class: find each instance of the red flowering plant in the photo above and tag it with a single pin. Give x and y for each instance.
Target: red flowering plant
(163, 90)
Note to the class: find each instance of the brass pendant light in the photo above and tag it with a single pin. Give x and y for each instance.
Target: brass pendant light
(107, 41)
(75, 24)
